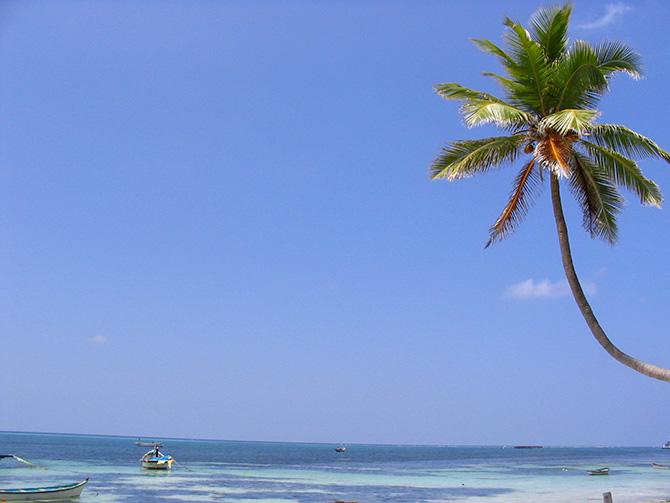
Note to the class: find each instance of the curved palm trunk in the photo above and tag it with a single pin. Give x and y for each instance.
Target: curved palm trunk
(583, 304)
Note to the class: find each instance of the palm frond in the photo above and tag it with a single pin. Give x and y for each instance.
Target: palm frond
(482, 108)
(513, 90)
(579, 80)
(581, 74)
(500, 114)
(626, 141)
(597, 196)
(508, 84)
(523, 193)
(618, 57)
(491, 48)
(569, 120)
(625, 172)
(531, 69)
(462, 159)
(550, 30)
(455, 91)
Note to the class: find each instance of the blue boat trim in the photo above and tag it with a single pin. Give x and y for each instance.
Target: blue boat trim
(161, 458)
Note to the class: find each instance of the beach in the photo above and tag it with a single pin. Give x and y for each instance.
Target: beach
(276, 472)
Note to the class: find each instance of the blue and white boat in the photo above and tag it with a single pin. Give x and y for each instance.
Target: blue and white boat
(156, 460)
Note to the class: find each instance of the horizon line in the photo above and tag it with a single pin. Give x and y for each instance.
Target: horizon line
(390, 444)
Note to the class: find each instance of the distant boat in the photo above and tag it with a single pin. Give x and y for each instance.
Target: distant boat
(148, 444)
(666, 445)
(660, 466)
(48, 493)
(156, 460)
(528, 447)
(600, 471)
(340, 449)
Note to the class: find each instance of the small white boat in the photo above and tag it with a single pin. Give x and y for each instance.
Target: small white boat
(48, 493)
(156, 460)
(600, 471)
(666, 445)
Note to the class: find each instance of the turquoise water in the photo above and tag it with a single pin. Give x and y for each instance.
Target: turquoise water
(271, 472)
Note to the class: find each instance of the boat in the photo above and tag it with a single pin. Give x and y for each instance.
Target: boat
(600, 471)
(15, 457)
(48, 493)
(660, 466)
(156, 460)
(340, 449)
(528, 447)
(666, 445)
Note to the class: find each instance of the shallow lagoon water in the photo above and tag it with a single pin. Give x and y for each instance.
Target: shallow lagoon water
(272, 472)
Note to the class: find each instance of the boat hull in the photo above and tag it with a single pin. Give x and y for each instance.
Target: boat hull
(157, 465)
(49, 493)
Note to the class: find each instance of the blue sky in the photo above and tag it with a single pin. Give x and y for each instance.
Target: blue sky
(222, 211)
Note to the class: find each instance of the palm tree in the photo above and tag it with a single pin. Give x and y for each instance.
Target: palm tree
(551, 90)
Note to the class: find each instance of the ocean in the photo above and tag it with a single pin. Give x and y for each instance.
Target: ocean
(275, 472)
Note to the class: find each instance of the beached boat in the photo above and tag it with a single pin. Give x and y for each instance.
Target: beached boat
(156, 460)
(600, 471)
(660, 466)
(49, 493)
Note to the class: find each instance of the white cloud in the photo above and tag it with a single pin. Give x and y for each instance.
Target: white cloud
(612, 12)
(98, 339)
(545, 289)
